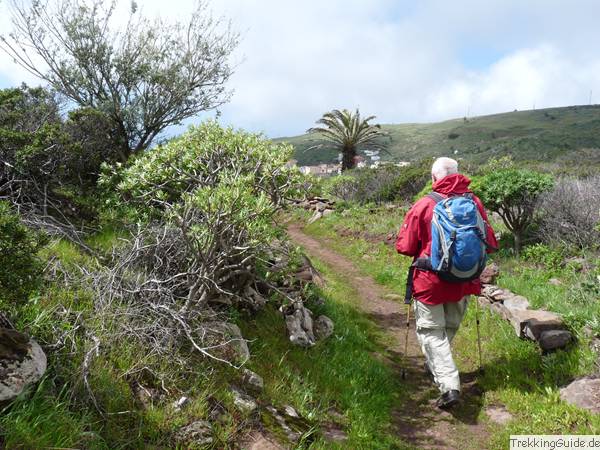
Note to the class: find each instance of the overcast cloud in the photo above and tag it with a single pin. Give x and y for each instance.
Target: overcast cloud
(409, 61)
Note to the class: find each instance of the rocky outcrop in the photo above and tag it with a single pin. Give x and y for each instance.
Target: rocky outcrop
(22, 362)
(544, 327)
(252, 381)
(489, 274)
(302, 329)
(584, 393)
(321, 207)
(196, 434)
(243, 402)
(299, 323)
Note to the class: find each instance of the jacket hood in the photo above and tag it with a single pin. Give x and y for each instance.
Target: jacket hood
(452, 184)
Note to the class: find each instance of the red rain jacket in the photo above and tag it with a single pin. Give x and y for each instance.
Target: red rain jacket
(414, 239)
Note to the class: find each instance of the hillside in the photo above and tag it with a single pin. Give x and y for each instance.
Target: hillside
(561, 135)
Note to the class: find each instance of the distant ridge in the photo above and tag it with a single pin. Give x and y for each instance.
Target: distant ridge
(567, 135)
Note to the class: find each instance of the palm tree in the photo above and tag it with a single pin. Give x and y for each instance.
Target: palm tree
(349, 133)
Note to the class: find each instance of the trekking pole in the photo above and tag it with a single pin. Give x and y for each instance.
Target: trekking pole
(407, 302)
(478, 334)
(406, 338)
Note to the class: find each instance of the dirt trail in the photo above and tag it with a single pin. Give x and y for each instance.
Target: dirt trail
(416, 419)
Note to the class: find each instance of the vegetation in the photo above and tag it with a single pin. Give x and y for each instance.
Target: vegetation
(144, 273)
(383, 184)
(555, 138)
(144, 77)
(18, 255)
(513, 194)
(349, 133)
(570, 213)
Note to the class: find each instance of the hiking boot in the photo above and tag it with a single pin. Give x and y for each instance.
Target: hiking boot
(448, 399)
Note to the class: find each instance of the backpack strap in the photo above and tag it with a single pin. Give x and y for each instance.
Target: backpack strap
(436, 197)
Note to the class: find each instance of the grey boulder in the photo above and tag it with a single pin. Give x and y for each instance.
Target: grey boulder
(584, 393)
(554, 339)
(22, 362)
(323, 327)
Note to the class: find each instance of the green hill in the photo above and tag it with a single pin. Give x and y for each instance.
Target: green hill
(568, 135)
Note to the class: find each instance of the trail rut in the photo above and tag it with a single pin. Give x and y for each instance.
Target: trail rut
(416, 419)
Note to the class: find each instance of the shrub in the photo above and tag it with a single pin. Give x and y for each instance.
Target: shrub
(570, 212)
(513, 194)
(383, 184)
(21, 268)
(551, 258)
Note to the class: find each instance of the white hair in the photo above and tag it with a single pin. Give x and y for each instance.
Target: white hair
(444, 166)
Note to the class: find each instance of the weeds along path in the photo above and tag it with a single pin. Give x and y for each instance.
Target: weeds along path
(416, 419)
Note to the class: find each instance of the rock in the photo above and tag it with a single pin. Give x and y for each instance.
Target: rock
(516, 302)
(243, 401)
(287, 426)
(196, 433)
(182, 402)
(554, 339)
(316, 216)
(252, 381)
(300, 325)
(498, 414)
(22, 362)
(496, 294)
(489, 274)
(584, 393)
(304, 275)
(554, 282)
(228, 341)
(484, 302)
(530, 322)
(499, 309)
(259, 441)
(323, 327)
(256, 300)
(321, 206)
(333, 433)
(327, 212)
(290, 411)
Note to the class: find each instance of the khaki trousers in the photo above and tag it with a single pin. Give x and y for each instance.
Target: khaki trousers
(436, 326)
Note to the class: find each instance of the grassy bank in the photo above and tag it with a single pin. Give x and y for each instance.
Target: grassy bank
(336, 384)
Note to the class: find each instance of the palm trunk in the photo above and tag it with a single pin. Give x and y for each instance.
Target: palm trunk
(348, 158)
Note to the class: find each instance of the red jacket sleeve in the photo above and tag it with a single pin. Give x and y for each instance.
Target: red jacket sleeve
(408, 241)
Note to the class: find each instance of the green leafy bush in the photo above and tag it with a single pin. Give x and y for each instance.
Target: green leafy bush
(513, 194)
(551, 258)
(21, 268)
(383, 184)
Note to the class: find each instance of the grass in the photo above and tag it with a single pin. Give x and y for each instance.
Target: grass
(339, 374)
(517, 374)
(556, 135)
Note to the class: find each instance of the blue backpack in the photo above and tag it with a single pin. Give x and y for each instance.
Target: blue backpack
(458, 239)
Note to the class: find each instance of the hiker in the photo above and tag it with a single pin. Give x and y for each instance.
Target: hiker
(441, 294)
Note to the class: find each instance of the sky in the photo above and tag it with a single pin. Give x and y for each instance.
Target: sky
(402, 61)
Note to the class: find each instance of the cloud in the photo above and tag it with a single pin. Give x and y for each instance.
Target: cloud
(402, 61)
